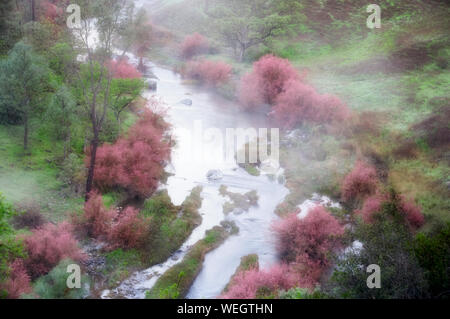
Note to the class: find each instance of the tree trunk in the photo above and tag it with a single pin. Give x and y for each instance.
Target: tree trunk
(33, 10)
(90, 177)
(242, 53)
(25, 134)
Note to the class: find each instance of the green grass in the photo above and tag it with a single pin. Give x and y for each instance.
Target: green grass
(170, 225)
(33, 175)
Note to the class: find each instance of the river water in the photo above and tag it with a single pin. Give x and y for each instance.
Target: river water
(200, 149)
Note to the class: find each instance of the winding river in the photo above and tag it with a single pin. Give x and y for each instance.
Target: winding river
(189, 167)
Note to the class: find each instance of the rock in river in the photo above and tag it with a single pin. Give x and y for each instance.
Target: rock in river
(214, 175)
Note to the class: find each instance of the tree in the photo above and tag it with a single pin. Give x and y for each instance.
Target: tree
(61, 114)
(246, 23)
(22, 82)
(208, 72)
(107, 17)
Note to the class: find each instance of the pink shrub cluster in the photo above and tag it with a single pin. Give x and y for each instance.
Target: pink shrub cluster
(128, 231)
(373, 204)
(47, 246)
(253, 283)
(48, 10)
(97, 219)
(18, 282)
(208, 72)
(412, 213)
(306, 243)
(274, 81)
(266, 81)
(122, 69)
(193, 45)
(361, 182)
(301, 102)
(134, 163)
(120, 229)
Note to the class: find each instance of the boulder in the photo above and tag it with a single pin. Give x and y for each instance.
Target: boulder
(152, 85)
(214, 175)
(186, 102)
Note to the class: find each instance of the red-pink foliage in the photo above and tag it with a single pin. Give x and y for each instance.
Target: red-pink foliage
(371, 206)
(301, 102)
(412, 213)
(97, 219)
(362, 181)
(129, 230)
(134, 163)
(193, 45)
(209, 72)
(122, 69)
(306, 243)
(253, 283)
(48, 245)
(48, 10)
(19, 281)
(266, 81)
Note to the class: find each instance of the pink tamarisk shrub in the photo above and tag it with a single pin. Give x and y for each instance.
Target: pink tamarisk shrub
(299, 102)
(193, 45)
(306, 243)
(361, 182)
(47, 246)
(267, 81)
(135, 163)
(412, 213)
(208, 72)
(129, 230)
(97, 220)
(409, 210)
(19, 281)
(371, 206)
(122, 69)
(254, 283)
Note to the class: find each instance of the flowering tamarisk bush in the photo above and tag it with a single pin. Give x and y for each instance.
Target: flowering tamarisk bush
(211, 73)
(254, 283)
(266, 81)
(129, 230)
(408, 209)
(305, 244)
(47, 246)
(193, 45)
(135, 163)
(361, 182)
(19, 281)
(122, 69)
(120, 229)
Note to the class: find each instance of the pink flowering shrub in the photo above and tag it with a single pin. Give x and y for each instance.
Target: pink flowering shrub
(267, 81)
(300, 102)
(193, 45)
(134, 163)
(306, 243)
(48, 245)
(18, 282)
(410, 211)
(97, 220)
(129, 230)
(361, 182)
(256, 283)
(208, 72)
(122, 69)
